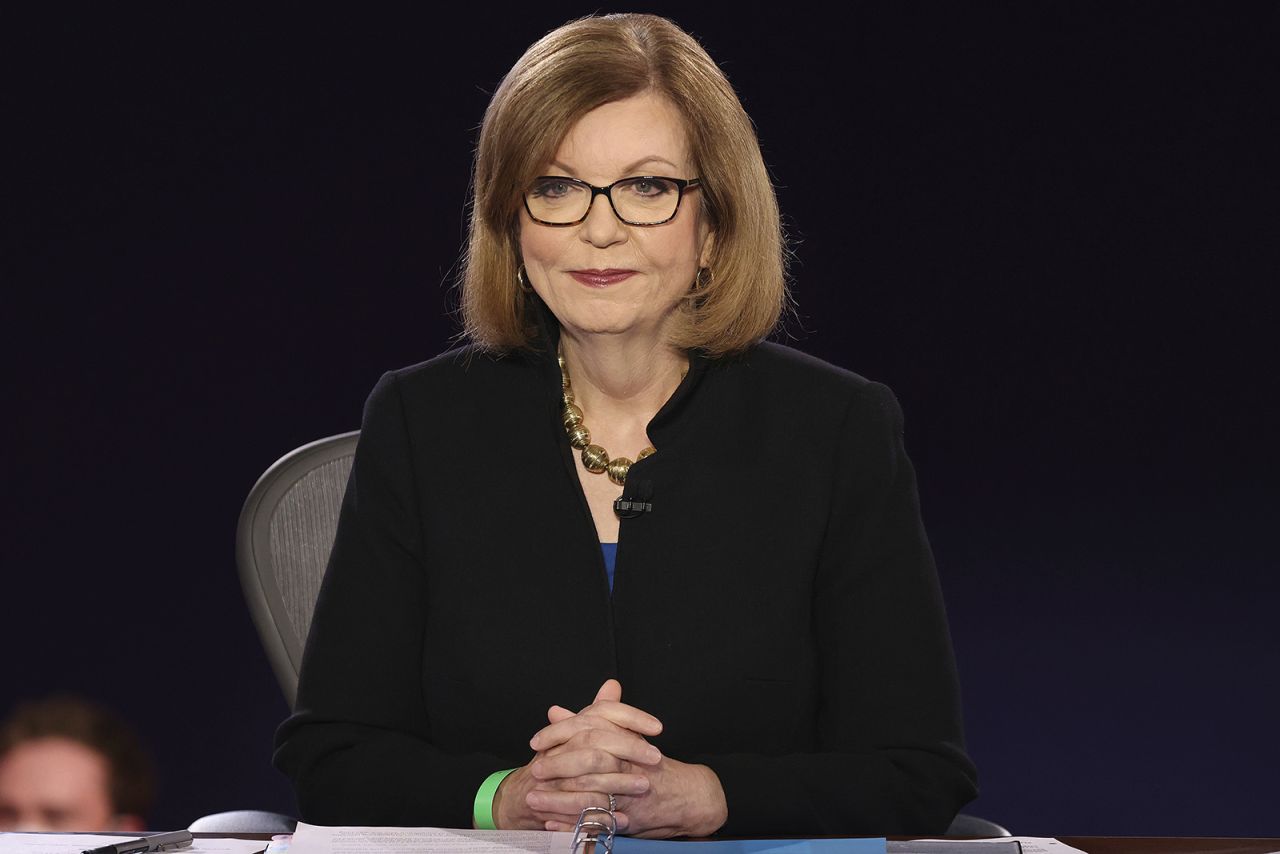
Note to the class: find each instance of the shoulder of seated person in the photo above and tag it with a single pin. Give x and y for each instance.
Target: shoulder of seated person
(786, 368)
(465, 365)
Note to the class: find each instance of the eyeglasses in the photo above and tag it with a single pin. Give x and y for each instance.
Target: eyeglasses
(647, 200)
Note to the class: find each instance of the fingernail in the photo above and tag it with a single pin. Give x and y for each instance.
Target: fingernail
(536, 770)
(655, 756)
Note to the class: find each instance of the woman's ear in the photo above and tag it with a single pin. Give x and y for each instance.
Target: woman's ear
(708, 249)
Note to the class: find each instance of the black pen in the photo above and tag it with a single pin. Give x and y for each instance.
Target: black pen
(157, 842)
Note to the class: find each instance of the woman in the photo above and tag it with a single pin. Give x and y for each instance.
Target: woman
(773, 612)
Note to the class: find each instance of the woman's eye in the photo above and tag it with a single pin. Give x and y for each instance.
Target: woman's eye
(651, 187)
(552, 189)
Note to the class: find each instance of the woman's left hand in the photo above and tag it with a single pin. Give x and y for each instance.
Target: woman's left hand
(581, 751)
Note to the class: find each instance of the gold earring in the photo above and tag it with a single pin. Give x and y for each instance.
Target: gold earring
(700, 284)
(523, 281)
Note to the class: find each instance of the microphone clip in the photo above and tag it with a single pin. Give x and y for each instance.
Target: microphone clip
(630, 508)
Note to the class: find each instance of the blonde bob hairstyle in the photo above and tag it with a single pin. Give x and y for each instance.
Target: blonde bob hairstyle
(562, 77)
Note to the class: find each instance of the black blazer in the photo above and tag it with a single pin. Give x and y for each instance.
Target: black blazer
(777, 609)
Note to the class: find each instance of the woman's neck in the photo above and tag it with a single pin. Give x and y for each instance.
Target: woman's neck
(619, 379)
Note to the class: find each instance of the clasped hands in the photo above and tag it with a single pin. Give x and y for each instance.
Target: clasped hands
(582, 758)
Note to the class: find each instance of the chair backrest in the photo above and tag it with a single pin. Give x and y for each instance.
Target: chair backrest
(282, 546)
(244, 821)
(970, 826)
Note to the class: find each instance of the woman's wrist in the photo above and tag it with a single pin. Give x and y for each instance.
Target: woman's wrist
(484, 812)
(712, 809)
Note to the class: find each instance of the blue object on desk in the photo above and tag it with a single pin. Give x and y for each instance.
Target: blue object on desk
(630, 845)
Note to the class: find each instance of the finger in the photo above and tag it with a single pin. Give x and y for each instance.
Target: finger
(611, 690)
(542, 817)
(564, 804)
(624, 824)
(625, 716)
(623, 745)
(603, 715)
(538, 817)
(640, 757)
(555, 714)
(596, 753)
(561, 731)
(576, 763)
(622, 714)
(618, 784)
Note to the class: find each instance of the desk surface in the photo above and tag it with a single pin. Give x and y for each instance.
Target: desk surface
(1170, 845)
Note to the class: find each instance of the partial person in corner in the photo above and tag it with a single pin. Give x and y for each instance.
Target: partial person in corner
(70, 765)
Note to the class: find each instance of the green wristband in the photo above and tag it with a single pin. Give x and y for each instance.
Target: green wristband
(482, 812)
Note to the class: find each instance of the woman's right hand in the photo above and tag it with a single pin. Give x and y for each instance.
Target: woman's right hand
(511, 810)
(592, 758)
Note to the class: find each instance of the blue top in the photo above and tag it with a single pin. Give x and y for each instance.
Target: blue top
(610, 558)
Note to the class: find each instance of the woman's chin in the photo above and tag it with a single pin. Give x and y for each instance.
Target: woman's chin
(606, 325)
(615, 321)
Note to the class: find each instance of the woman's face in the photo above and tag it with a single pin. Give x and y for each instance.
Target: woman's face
(654, 265)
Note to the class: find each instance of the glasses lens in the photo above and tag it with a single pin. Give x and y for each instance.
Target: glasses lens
(644, 201)
(558, 200)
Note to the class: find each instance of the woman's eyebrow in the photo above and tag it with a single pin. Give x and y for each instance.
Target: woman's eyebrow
(650, 159)
(653, 158)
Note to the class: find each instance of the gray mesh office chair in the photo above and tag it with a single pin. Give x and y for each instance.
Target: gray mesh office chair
(282, 546)
(971, 826)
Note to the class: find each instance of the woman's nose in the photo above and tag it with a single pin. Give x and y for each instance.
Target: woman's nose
(602, 227)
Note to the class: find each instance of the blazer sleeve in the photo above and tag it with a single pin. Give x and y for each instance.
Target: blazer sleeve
(890, 757)
(359, 744)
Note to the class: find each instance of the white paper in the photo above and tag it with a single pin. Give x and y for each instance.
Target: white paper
(54, 843)
(313, 839)
(1030, 844)
(223, 845)
(74, 843)
(1045, 845)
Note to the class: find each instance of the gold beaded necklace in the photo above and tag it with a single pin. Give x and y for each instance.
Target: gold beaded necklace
(594, 458)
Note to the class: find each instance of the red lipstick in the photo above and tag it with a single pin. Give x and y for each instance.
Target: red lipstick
(601, 278)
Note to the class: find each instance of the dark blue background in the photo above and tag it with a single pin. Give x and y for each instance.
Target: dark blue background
(1050, 227)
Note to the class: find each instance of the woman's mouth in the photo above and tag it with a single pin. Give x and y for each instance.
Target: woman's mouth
(601, 278)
